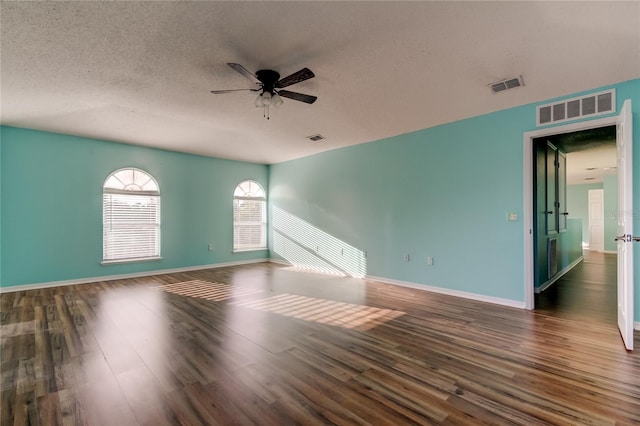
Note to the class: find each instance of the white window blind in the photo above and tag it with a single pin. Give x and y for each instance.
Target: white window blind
(249, 217)
(130, 217)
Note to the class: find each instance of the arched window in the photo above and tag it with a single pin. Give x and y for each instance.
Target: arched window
(130, 217)
(249, 217)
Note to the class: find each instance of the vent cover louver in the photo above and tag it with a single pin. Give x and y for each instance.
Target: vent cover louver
(315, 138)
(589, 105)
(508, 83)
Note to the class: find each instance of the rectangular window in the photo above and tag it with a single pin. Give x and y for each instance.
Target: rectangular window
(249, 224)
(131, 227)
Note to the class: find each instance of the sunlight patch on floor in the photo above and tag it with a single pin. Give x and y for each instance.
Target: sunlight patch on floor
(207, 290)
(323, 311)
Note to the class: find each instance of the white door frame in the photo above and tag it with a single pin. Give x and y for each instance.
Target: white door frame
(528, 138)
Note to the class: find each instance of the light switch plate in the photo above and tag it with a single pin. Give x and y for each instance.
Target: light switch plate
(512, 216)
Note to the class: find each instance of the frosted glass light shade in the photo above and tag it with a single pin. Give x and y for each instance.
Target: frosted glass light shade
(276, 100)
(266, 98)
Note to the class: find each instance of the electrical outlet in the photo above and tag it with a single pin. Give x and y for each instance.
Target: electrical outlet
(210, 247)
(430, 261)
(407, 257)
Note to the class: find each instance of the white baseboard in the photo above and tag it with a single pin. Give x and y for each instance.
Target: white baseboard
(424, 287)
(440, 290)
(636, 326)
(548, 284)
(87, 280)
(473, 296)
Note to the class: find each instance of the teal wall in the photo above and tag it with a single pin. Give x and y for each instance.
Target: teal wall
(52, 206)
(610, 186)
(442, 192)
(578, 205)
(570, 248)
(0, 208)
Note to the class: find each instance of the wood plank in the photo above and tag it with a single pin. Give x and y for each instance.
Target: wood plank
(269, 345)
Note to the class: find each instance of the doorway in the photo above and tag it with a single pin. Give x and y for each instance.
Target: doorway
(624, 212)
(575, 182)
(570, 173)
(528, 182)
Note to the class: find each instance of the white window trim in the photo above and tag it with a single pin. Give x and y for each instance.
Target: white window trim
(263, 223)
(154, 252)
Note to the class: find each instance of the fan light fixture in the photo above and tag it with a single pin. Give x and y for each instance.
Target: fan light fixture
(266, 99)
(268, 81)
(276, 100)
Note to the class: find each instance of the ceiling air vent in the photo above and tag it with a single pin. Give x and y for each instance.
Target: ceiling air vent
(509, 83)
(315, 138)
(585, 106)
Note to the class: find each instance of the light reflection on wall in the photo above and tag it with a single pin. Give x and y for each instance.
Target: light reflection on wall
(307, 247)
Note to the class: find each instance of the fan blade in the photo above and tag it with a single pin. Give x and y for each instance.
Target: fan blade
(296, 77)
(297, 96)
(218, 92)
(242, 70)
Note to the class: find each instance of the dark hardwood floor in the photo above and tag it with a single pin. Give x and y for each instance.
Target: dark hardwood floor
(268, 345)
(586, 293)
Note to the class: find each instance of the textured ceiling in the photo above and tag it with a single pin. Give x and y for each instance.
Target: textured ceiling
(140, 72)
(591, 154)
(591, 166)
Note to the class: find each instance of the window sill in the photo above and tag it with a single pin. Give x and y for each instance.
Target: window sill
(136, 260)
(249, 249)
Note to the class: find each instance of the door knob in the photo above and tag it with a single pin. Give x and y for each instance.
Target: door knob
(624, 237)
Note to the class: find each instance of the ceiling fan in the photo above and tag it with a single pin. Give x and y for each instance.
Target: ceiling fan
(269, 84)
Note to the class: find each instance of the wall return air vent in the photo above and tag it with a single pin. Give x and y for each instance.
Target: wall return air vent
(590, 105)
